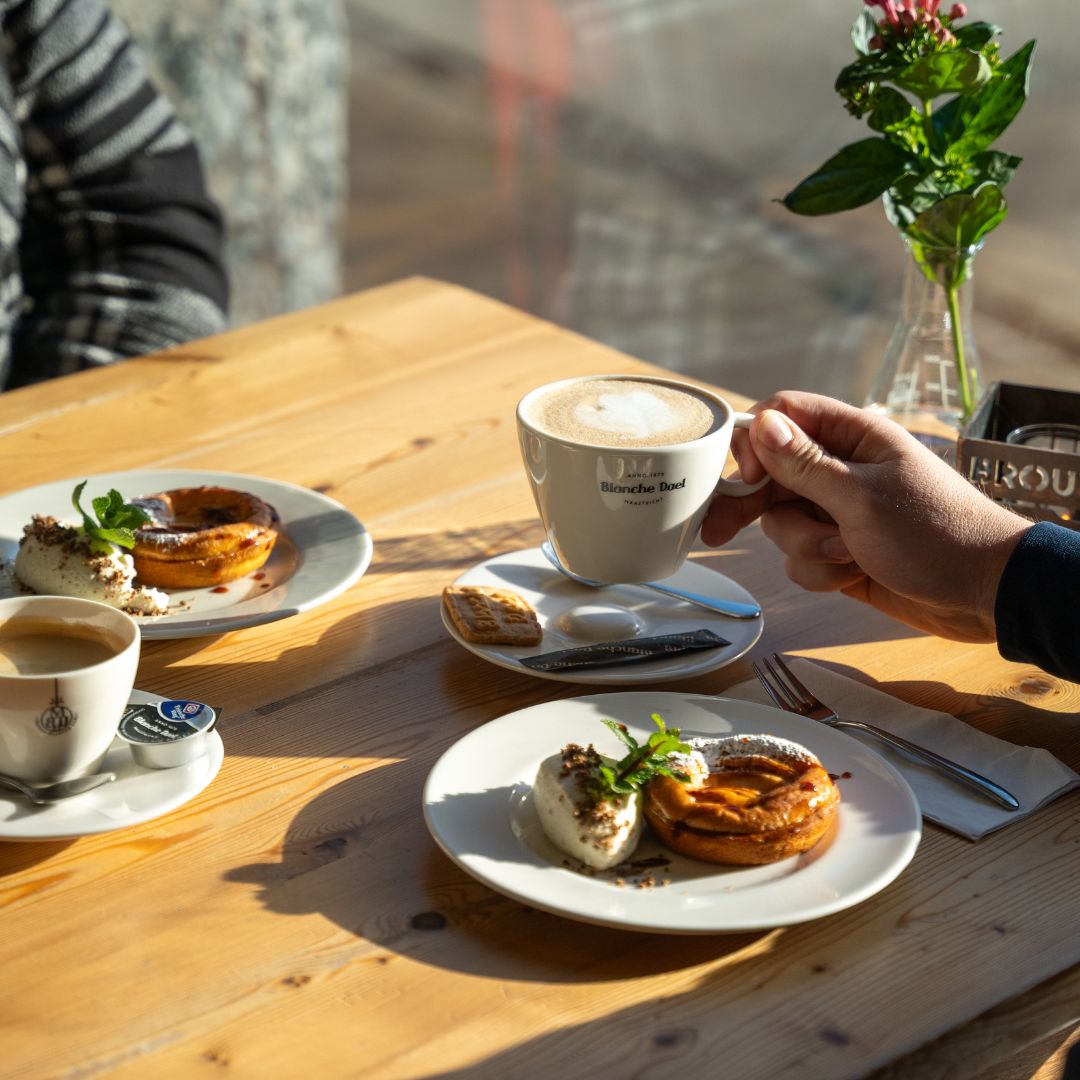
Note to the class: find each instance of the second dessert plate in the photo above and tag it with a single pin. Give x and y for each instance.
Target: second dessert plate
(321, 549)
(573, 615)
(478, 805)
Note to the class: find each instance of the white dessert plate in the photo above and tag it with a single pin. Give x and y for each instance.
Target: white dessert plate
(321, 551)
(136, 795)
(572, 615)
(478, 807)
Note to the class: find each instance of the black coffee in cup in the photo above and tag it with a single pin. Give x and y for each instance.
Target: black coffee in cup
(41, 646)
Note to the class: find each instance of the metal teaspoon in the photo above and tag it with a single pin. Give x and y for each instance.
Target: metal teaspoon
(732, 608)
(43, 794)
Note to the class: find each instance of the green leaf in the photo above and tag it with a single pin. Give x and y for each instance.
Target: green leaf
(994, 166)
(114, 513)
(975, 35)
(874, 68)
(897, 119)
(642, 763)
(123, 537)
(862, 30)
(101, 505)
(957, 71)
(607, 775)
(960, 221)
(623, 733)
(666, 770)
(129, 517)
(858, 174)
(76, 495)
(913, 194)
(968, 125)
(898, 210)
(116, 522)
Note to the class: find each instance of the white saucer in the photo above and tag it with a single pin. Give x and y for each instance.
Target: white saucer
(135, 796)
(556, 598)
(478, 806)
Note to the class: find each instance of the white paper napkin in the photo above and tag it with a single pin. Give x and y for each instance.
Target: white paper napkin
(1034, 776)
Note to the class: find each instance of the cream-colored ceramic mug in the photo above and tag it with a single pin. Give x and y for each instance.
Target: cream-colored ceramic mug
(623, 467)
(67, 667)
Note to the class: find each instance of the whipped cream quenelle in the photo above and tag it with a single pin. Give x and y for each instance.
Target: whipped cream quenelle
(600, 832)
(54, 559)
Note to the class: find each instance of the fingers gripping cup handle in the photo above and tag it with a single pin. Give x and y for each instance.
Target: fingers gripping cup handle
(740, 487)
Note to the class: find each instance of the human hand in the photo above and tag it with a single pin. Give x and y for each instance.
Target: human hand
(858, 505)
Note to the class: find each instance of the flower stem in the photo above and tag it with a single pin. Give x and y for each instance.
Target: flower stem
(928, 125)
(967, 405)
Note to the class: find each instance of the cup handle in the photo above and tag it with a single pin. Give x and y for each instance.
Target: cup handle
(740, 487)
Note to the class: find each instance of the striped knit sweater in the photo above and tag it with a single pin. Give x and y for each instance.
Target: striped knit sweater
(109, 244)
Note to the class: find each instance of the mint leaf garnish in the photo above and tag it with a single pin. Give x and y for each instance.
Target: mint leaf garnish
(642, 764)
(116, 521)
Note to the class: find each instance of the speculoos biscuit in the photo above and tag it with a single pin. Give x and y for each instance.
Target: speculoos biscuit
(486, 615)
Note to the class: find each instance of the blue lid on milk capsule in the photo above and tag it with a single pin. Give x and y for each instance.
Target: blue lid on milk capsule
(167, 733)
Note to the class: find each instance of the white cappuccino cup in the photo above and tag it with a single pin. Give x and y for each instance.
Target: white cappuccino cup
(67, 667)
(623, 468)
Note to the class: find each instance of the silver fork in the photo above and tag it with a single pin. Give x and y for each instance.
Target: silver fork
(787, 692)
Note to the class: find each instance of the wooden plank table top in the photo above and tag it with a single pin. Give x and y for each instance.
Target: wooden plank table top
(296, 918)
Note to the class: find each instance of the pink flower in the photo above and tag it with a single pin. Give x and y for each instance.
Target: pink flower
(889, 8)
(957, 11)
(932, 6)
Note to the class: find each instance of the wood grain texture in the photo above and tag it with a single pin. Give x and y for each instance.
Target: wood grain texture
(296, 918)
(1009, 1042)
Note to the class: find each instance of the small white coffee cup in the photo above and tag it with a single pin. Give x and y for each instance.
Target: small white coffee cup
(67, 667)
(626, 513)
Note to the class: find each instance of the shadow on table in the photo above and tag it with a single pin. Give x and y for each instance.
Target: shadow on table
(16, 857)
(353, 639)
(754, 563)
(456, 549)
(367, 863)
(359, 852)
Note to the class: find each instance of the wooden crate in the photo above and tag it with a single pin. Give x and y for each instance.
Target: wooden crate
(1038, 482)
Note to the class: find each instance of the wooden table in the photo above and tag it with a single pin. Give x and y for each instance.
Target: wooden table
(297, 919)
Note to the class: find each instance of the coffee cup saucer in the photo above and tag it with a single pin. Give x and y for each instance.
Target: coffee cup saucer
(138, 794)
(573, 615)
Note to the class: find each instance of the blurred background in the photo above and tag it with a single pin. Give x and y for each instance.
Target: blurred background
(610, 165)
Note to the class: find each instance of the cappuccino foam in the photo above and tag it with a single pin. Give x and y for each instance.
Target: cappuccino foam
(625, 412)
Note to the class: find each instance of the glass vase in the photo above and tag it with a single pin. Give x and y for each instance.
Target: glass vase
(930, 379)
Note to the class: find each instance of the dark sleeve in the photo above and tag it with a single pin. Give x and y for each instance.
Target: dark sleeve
(121, 247)
(1038, 601)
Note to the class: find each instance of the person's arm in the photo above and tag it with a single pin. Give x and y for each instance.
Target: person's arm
(120, 247)
(1036, 607)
